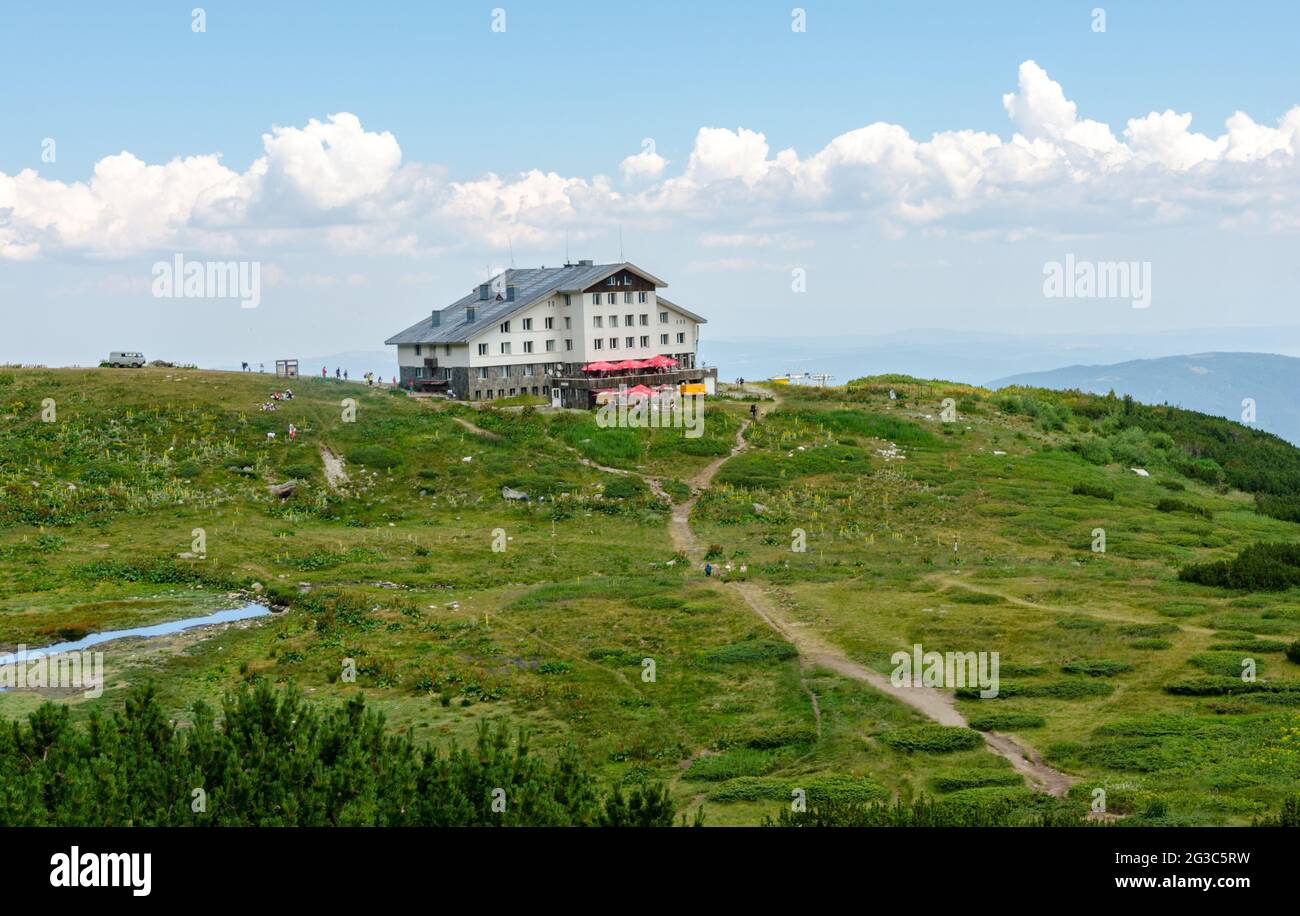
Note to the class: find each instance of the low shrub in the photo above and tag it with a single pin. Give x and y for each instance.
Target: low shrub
(1096, 667)
(1006, 721)
(933, 739)
(1087, 489)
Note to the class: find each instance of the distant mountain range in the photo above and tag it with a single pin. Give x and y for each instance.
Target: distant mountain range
(1213, 383)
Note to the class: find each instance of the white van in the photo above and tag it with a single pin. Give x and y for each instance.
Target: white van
(120, 358)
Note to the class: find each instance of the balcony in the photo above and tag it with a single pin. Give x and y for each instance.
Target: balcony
(630, 377)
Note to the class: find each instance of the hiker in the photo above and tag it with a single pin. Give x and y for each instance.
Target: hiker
(323, 373)
(243, 367)
(708, 569)
(345, 375)
(338, 373)
(753, 411)
(293, 432)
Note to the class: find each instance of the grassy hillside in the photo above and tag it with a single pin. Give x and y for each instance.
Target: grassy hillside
(1212, 383)
(971, 535)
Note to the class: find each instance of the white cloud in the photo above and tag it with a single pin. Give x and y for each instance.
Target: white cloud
(334, 186)
(642, 166)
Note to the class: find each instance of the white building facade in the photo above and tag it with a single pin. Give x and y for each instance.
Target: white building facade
(531, 331)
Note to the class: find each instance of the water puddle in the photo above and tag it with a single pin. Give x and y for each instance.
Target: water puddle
(158, 629)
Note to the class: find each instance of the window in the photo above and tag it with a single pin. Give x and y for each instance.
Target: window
(478, 395)
(446, 350)
(505, 347)
(596, 321)
(663, 317)
(528, 346)
(629, 320)
(611, 281)
(663, 339)
(627, 297)
(550, 323)
(512, 392)
(417, 349)
(610, 298)
(645, 340)
(595, 298)
(613, 321)
(613, 343)
(550, 346)
(568, 322)
(483, 370)
(528, 324)
(470, 313)
(630, 342)
(528, 369)
(681, 338)
(567, 301)
(645, 320)
(503, 372)
(568, 344)
(598, 344)
(489, 394)
(641, 297)
(482, 349)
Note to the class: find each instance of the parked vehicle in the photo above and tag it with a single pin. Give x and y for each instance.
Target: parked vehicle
(121, 359)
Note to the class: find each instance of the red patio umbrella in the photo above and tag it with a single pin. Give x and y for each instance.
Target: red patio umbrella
(598, 366)
(658, 362)
(639, 391)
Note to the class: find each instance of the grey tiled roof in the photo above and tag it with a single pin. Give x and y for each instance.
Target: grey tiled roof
(531, 285)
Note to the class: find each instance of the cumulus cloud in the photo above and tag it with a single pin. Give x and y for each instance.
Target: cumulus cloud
(335, 186)
(644, 165)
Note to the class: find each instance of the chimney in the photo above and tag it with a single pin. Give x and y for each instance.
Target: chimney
(584, 263)
(435, 319)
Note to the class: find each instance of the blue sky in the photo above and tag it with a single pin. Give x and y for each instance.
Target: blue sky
(108, 77)
(572, 89)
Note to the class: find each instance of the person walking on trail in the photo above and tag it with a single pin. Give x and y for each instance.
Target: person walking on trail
(323, 372)
(708, 569)
(753, 411)
(338, 373)
(345, 375)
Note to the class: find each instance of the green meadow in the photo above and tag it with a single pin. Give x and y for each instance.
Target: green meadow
(1124, 608)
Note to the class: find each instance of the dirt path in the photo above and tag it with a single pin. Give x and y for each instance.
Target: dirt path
(815, 652)
(335, 476)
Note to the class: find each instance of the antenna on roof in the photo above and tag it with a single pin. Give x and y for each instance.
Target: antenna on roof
(620, 242)
(566, 249)
(510, 245)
